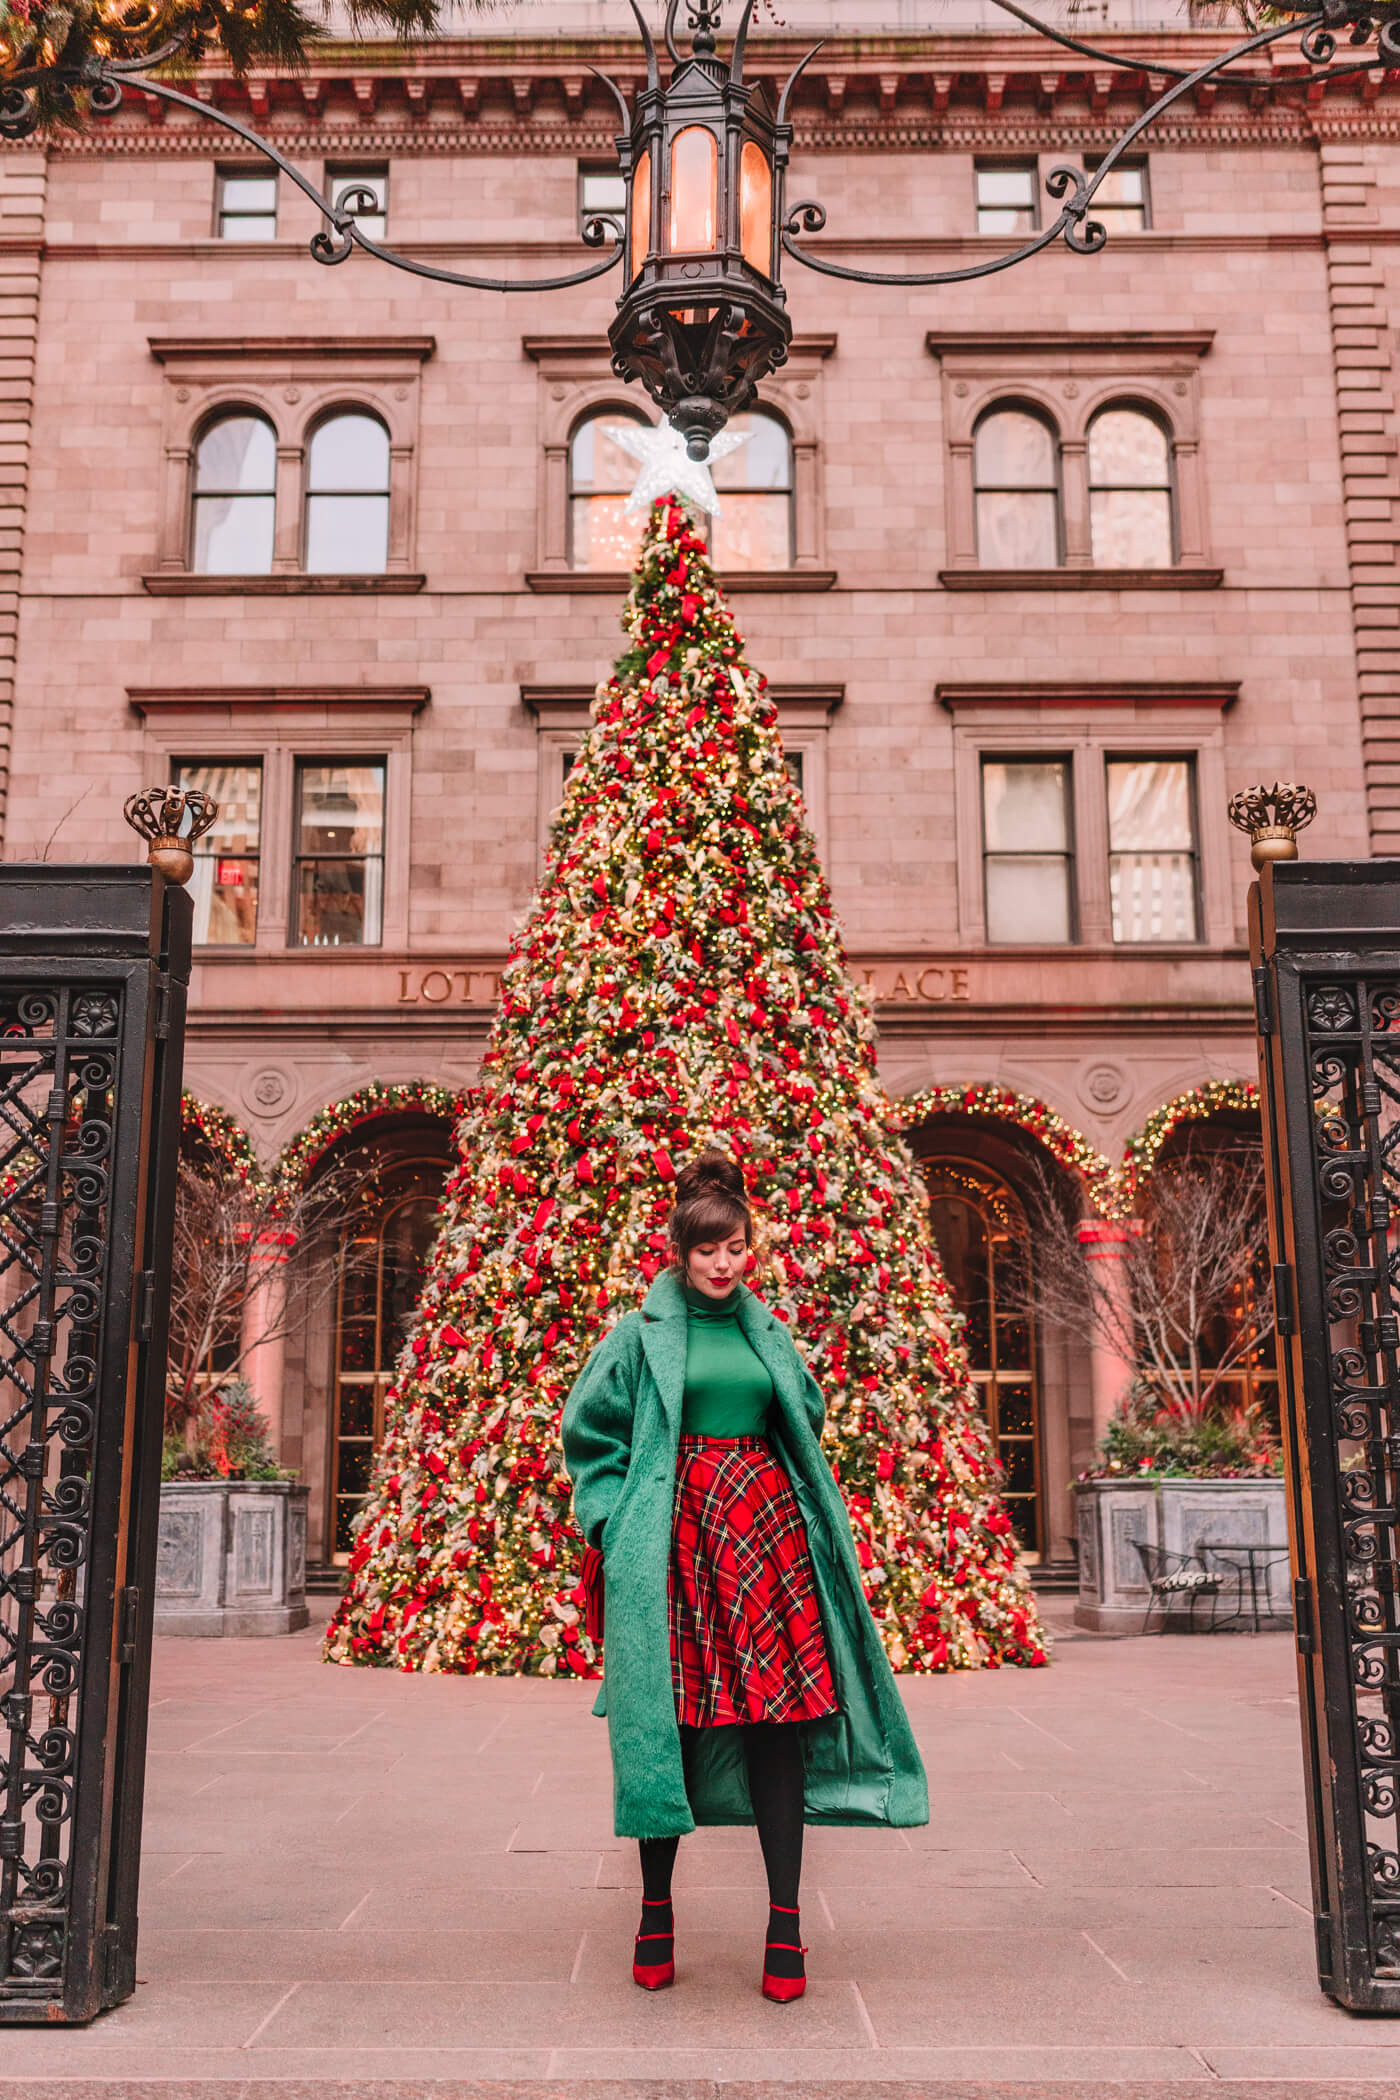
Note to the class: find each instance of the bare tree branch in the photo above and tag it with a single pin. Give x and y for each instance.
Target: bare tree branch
(1186, 1297)
(231, 1234)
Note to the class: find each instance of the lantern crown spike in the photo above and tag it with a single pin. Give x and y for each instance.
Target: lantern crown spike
(649, 46)
(741, 38)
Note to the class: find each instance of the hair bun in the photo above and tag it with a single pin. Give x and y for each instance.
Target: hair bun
(710, 1171)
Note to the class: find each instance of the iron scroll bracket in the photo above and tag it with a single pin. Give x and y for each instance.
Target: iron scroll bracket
(104, 84)
(1085, 236)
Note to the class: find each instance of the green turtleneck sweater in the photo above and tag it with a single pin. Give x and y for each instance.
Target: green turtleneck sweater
(727, 1390)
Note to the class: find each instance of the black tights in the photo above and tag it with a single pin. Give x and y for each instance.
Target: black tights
(773, 1755)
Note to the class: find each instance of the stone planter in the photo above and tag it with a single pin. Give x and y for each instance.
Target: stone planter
(1175, 1513)
(232, 1557)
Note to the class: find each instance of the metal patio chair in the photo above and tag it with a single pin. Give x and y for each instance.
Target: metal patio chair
(1172, 1576)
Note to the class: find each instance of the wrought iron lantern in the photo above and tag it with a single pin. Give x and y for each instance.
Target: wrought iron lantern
(703, 318)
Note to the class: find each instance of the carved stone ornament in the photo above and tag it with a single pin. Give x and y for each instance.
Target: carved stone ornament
(1103, 1086)
(171, 819)
(1273, 817)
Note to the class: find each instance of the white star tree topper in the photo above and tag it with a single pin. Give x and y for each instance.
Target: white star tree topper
(667, 466)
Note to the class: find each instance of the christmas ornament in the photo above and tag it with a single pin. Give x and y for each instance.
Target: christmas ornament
(666, 465)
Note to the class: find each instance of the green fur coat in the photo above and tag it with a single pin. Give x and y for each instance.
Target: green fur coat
(621, 1431)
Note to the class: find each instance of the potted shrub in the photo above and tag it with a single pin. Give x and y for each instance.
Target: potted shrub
(232, 1551)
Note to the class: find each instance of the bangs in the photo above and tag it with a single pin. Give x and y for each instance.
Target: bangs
(710, 1216)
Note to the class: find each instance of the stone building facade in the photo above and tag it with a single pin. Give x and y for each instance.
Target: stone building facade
(1041, 567)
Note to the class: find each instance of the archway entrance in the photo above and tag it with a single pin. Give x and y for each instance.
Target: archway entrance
(980, 1229)
(384, 1249)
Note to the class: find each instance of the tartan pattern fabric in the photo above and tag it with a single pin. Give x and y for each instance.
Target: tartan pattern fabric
(746, 1632)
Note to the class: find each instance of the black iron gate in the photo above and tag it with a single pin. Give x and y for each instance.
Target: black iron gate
(1325, 944)
(93, 968)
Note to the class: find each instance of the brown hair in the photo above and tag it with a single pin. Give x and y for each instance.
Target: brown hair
(711, 1203)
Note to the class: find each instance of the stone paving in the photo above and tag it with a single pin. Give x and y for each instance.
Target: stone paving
(366, 1884)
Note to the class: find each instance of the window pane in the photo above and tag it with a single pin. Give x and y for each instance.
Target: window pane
(1023, 806)
(601, 189)
(248, 193)
(224, 886)
(339, 878)
(598, 466)
(1153, 896)
(339, 903)
(1131, 528)
(792, 766)
(1013, 451)
(754, 532)
(1028, 898)
(375, 222)
(350, 452)
(694, 162)
(232, 535)
(765, 462)
(237, 788)
(1123, 186)
(342, 809)
(1149, 804)
(1017, 532)
(1006, 186)
(1127, 451)
(249, 227)
(347, 535)
(238, 454)
(756, 207)
(600, 537)
(1006, 200)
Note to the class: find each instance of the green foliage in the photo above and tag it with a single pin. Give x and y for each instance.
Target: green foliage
(1146, 1436)
(229, 1440)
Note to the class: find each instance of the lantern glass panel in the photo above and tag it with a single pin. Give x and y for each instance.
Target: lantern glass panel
(756, 207)
(694, 178)
(641, 211)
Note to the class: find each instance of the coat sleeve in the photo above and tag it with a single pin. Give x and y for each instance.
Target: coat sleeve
(597, 1431)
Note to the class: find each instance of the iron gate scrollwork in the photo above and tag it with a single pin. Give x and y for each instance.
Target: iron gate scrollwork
(1325, 943)
(93, 964)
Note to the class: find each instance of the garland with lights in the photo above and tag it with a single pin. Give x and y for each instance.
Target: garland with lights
(211, 1133)
(679, 980)
(1000, 1104)
(1196, 1105)
(365, 1105)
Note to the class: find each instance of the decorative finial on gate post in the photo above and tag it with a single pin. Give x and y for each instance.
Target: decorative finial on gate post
(1273, 817)
(171, 818)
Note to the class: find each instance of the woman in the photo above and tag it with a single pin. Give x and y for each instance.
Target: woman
(745, 1680)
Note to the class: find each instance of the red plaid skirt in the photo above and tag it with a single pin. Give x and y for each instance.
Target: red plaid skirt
(746, 1630)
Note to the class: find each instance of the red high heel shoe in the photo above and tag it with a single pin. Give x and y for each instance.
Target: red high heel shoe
(653, 1976)
(783, 1989)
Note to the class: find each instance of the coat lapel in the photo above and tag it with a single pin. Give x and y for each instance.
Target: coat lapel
(663, 1343)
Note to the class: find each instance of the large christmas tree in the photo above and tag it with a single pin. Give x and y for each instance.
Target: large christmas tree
(679, 981)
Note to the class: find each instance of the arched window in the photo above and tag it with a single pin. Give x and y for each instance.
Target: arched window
(601, 476)
(233, 500)
(1130, 491)
(347, 497)
(1016, 475)
(754, 527)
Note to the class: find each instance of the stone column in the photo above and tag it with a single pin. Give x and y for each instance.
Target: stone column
(1105, 1241)
(264, 1323)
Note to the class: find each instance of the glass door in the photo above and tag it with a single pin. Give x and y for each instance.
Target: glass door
(385, 1251)
(980, 1230)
